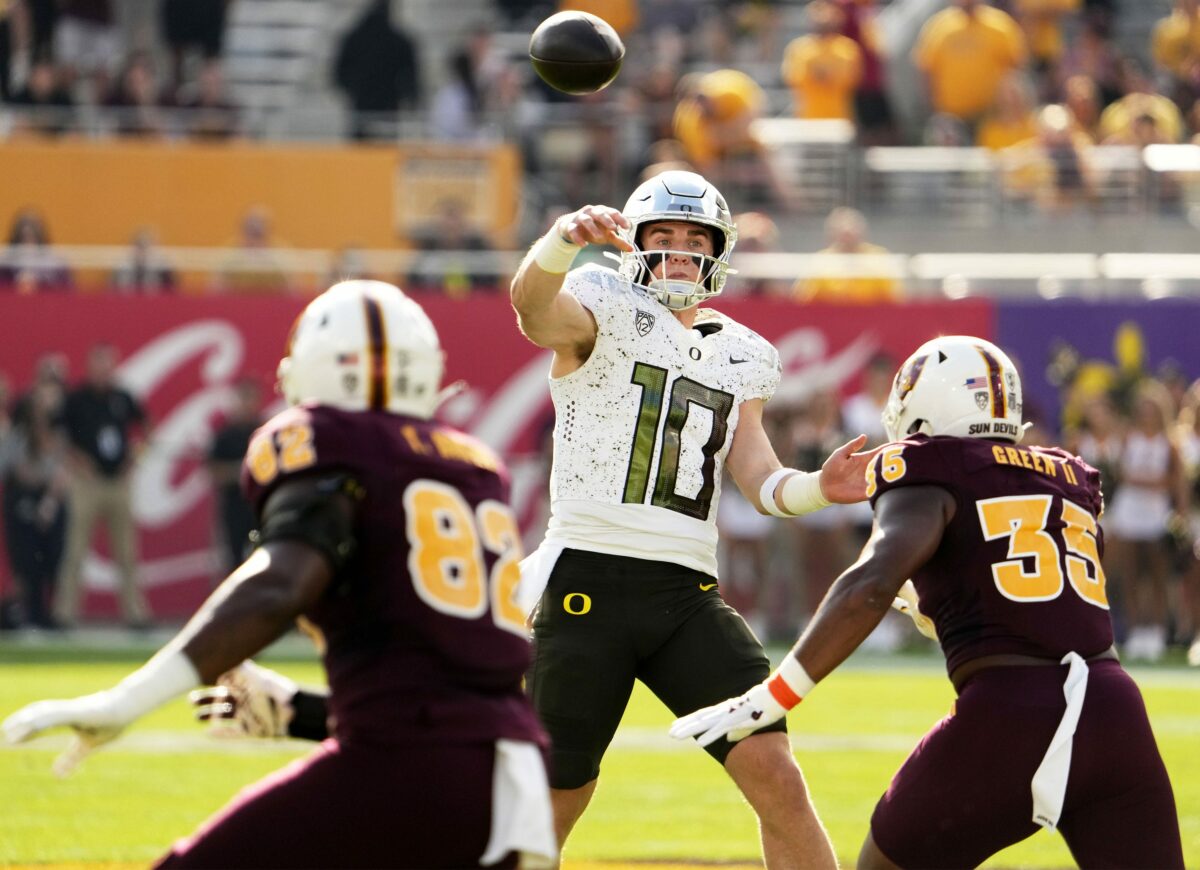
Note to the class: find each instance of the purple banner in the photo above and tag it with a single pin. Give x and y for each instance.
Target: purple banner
(1105, 336)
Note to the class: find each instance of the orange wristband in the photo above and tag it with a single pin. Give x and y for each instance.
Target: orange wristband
(790, 683)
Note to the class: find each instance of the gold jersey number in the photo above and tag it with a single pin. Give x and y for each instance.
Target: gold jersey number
(447, 541)
(289, 449)
(1036, 569)
(892, 467)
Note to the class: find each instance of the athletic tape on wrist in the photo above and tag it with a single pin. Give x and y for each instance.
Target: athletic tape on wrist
(554, 254)
(801, 494)
(166, 676)
(790, 683)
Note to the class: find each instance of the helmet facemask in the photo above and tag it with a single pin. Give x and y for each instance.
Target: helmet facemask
(685, 197)
(677, 293)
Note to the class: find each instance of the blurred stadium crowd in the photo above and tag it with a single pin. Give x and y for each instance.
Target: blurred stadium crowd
(814, 117)
(970, 112)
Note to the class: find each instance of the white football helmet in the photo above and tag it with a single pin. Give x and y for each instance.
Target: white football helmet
(956, 385)
(678, 196)
(364, 345)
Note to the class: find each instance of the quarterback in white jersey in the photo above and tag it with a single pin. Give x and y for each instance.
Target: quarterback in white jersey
(646, 422)
(653, 397)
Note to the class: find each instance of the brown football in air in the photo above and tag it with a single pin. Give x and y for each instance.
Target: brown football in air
(576, 53)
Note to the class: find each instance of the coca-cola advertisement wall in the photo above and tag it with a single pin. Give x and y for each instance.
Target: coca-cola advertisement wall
(182, 356)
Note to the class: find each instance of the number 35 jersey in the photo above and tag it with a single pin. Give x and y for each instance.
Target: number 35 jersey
(422, 638)
(643, 427)
(1018, 568)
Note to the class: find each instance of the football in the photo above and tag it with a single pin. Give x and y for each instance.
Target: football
(576, 53)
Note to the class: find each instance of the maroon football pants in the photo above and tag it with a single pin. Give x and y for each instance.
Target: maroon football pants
(964, 792)
(412, 805)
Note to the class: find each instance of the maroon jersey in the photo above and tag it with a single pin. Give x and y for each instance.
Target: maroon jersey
(1018, 568)
(422, 637)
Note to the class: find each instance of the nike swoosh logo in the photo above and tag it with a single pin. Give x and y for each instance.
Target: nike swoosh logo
(736, 362)
(704, 587)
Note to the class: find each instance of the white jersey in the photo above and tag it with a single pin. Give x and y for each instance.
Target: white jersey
(643, 427)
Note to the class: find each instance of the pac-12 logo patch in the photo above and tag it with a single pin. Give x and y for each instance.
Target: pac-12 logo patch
(644, 322)
(981, 399)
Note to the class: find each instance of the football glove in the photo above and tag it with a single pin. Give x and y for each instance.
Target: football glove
(247, 701)
(734, 719)
(100, 717)
(96, 720)
(906, 602)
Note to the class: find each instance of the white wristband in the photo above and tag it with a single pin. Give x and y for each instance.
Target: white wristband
(800, 493)
(166, 676)
(554, 254)
(790, 683)
(766, 493)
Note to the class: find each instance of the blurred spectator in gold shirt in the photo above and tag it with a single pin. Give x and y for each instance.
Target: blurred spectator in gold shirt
(1042, 21)
(1012, 117)
(1141, 132)
(965, 51)
(1050, 170)
(843, 268)
(1140, 99)
(823, 67)
(1175, 45)
(714, 124)
(712, 120)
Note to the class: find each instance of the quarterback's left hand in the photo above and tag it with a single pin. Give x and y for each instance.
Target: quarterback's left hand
(96, 719)
(844, 473)
(733, 719)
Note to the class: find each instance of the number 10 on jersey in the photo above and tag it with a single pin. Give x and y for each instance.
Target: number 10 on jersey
(684, 393)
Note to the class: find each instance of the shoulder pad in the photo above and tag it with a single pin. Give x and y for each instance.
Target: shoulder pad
(613, 300)
(916, 461)
(755, 358)
(593, 285)
(299, 440)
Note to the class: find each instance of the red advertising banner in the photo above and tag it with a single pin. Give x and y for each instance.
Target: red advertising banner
(182, 356)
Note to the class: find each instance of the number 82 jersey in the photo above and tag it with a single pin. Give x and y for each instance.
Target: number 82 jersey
(642, 428)
(424, 639)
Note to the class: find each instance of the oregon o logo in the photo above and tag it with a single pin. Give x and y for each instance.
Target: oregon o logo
(577, 607)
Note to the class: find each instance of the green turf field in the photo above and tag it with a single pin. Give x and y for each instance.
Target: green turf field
(657, 801)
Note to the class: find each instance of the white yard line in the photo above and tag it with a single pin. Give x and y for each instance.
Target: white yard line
(632, 739)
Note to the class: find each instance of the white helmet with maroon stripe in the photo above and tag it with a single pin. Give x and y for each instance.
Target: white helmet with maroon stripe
(364, 345)
(956, 385)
